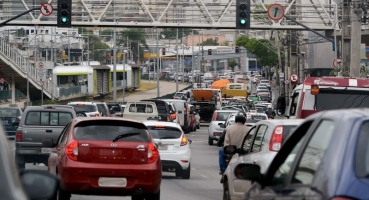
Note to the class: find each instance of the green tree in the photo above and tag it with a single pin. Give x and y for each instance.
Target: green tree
(21, 32)
(136, 36)
(98, 49)
(171, 33)
(107, 34)
(232, 64)
(210, 42)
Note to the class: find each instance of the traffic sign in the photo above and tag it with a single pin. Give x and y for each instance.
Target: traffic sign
(40, 65)
(294, 78)
(46, 9)
(337, 62)
(275, 12)
(287, 82)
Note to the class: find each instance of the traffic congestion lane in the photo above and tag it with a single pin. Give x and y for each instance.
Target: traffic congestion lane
(204, 182)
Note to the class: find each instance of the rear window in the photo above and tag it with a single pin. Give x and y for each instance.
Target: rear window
(45, 118)
(264, 98)
(258, 118)
(141, 108)
(287, 130)
(164, 132)
(84, 107)
(109, 130)
(114, 108)
(222, 116)
(9, 112)
(161, 107)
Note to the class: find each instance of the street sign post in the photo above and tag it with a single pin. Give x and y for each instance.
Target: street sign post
(40, 71)
(46, 9)
(287, 82)
(294, 78)
(337, 62)
(275, 12)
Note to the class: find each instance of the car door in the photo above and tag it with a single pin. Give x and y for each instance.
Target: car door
(294, 175)
(53, 158)
(256, 154)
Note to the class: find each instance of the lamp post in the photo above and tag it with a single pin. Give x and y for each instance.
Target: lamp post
(28, 66)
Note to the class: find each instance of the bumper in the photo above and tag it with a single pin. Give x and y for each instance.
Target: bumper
(83, 178)
(31, 155)
(179, 160)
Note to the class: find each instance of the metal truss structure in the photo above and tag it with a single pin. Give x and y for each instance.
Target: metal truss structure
(202, 14)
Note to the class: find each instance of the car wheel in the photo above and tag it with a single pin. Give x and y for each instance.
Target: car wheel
(210, 141)
(63, 195)
(186, 174)
(152, 196)
(194, 127)
(226, 195)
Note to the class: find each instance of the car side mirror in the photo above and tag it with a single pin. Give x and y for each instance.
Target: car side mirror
(48, 142)
(15, 124)
(231, 149)
(34, 181)
(249, 172)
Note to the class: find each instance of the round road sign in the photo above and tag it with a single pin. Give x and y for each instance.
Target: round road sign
(287, 82)
(337, 62)
(275, 12)
(294, 78)
(40, 65)
(46, 9)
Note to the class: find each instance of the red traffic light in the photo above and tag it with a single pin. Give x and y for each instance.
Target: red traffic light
(209, 51)
(237, 49)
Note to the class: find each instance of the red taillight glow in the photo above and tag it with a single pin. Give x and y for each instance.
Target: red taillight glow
(276, 140)
(341, 198)
(168, 119)
(18, 136)
(152, 153)
(72, 150)
(215, 116)
(174, 116)
(184, 141)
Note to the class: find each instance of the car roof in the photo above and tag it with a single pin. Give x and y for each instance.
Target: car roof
(176, 100)
(161, 123)
(82, 102)
(82, 119)
(227, 111)
(38, 108)
(277, 122)
(341, 114)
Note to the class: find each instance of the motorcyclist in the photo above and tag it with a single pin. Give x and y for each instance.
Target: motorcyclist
(270, 113)
(234, 136)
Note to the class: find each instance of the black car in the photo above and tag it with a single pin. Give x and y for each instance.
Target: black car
(163, 109)
(8, 116)
(116, 110)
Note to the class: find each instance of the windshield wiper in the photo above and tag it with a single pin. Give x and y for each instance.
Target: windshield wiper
(168, 137)
(124, 136)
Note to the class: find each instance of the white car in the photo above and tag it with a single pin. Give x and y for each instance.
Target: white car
(85, 109)
(174, 147)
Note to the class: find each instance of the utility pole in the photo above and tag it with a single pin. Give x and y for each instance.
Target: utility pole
(202, 54)
(177, 61)
(355, 39)
(346, 36)
(279, 59)
(192, 61)
(115, 67)
(286, 70)
(157, 63)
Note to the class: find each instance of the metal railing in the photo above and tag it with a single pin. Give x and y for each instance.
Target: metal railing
(19, 63)
(7, 94)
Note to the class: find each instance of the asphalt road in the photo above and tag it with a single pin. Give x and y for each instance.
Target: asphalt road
(204, 182)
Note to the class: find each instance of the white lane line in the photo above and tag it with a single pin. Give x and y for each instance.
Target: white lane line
(204, 176)
(41, 165)
(193, 168)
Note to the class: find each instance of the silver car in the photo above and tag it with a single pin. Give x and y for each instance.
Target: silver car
(219, 117)
(260, 146)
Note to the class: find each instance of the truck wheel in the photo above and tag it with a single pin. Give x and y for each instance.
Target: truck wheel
(210, 141)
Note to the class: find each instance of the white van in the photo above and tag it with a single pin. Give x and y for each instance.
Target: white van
(183, 109)
(141, 111)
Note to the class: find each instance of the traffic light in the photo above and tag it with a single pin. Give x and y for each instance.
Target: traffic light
(163, 51)
(237, 50)
(209, 51)
(243, 14)
(64, 13)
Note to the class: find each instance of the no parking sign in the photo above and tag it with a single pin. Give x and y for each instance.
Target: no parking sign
(294, 78)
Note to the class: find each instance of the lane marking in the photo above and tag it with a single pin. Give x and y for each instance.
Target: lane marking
(41, 165)
(204, 176)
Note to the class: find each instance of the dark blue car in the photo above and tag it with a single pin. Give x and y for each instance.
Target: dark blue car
(327, 157)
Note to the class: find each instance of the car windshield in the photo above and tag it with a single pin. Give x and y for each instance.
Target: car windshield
(9, 112)
(164, 132)
(83, 107)
(331, 99)
(222, 116)
(114, 108)
(109, 130)
(264, 98)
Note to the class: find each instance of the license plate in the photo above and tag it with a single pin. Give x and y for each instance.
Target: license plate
(5, 122)
(112, 182)
(163, 147)
(46, 150)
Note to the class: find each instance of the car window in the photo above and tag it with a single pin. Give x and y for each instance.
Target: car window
(9, 112)
(161, 106)
(258, 142)
(164, 132)
(84, 107)
(294, 100)
(64, 133)
(172, 108)
(362, 152)
(314, 153)
(141, 108)
(48, 118)
(247, 140)
(109, 130)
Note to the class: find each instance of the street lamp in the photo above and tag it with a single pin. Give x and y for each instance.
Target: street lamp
(28, 66)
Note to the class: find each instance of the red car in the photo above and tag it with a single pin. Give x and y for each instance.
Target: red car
(106, 156)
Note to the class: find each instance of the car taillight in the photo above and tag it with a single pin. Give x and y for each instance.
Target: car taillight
(152, 153)
(174, 116)
(215, 116)
(18, 136)
(168, 119)
(341, 198)
(118, 115)
(184, 141)
(276, 140)
(72, 150)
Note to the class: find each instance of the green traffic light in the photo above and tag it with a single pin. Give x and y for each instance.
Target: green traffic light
(64, 19)
(243, 21)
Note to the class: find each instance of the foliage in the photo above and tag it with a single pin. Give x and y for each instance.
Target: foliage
(225, 43)
(136, 36)
(262, 49)
(210, 42)
(97, 47)
(107, 34)
(232, 64)
(46, 101)
(21, 32)
(171, 33)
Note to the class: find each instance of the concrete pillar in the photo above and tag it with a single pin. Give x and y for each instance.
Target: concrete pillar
(13, 90)
(346, 36)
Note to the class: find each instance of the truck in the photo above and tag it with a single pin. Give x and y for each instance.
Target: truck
(141, 111)
(327, 93)
(206, 101)
(235, 89)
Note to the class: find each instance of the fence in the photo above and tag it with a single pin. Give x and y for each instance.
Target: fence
(7, 94)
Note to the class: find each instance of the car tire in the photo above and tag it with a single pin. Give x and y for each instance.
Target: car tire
(152, 196)
(137, 197)
(226, 195)
(63, 195)
(198, 126)
(21, 164)
(186, 174)
(210, 141)
(194, 128)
